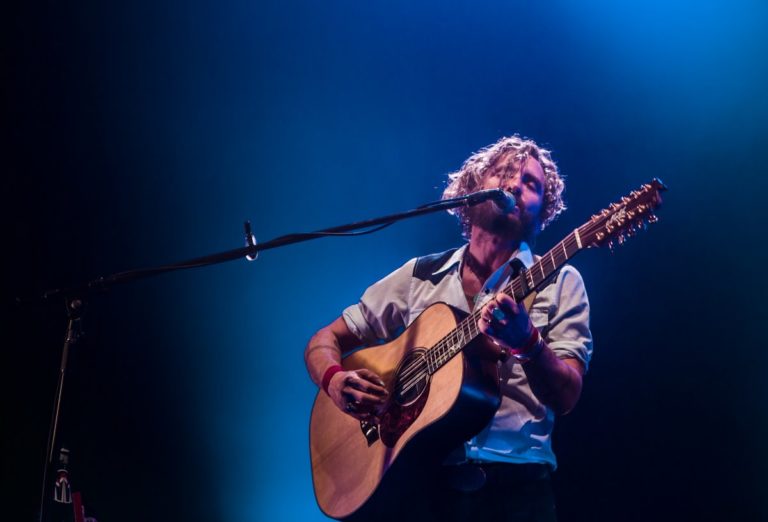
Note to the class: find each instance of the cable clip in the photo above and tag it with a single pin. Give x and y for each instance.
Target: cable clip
(250, 241)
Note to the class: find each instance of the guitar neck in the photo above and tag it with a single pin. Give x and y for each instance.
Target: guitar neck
(519, 288)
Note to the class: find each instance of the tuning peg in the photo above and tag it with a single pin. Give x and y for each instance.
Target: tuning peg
(610, 246)
(652, 218)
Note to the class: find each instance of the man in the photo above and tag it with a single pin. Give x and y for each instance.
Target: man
(502, 472)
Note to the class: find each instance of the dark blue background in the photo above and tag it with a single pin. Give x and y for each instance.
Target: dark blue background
(145, 133)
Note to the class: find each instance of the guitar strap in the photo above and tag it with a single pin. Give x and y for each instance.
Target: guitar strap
(528, 301)
(519, 268)
(426, 266)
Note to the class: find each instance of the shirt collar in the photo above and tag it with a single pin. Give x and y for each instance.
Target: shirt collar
(523, 253)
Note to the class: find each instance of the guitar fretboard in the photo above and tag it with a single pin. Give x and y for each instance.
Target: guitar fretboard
(519, 288)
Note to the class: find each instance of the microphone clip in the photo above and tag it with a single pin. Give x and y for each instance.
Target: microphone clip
(250, 241)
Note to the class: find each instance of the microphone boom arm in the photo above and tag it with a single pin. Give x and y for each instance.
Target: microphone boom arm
(252, 249)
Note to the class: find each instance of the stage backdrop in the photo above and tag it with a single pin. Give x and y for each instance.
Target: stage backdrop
(146, 133)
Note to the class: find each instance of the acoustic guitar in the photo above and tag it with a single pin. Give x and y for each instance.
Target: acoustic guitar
(443, 383)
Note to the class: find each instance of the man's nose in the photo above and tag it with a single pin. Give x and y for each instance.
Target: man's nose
(514, 187)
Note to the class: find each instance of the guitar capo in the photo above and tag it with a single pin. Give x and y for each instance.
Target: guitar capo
(250, 241)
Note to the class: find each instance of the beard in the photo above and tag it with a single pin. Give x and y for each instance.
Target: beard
(510, 227)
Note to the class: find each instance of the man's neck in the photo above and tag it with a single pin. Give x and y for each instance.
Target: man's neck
(489, 250)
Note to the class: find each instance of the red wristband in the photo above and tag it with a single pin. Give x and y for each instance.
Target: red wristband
(531, 349)
(530, 343)
(329, 373)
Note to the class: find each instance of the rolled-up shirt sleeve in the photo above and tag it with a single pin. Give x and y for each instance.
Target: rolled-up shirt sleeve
(382, 311)
(567, 332)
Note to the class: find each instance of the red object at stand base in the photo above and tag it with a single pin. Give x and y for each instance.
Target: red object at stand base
(77, 506)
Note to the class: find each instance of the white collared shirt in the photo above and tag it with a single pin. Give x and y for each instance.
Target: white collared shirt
(521, 430)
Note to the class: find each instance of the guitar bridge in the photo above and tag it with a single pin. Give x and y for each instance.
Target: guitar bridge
(370, 431)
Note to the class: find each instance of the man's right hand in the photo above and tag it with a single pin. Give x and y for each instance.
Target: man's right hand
(359, 393)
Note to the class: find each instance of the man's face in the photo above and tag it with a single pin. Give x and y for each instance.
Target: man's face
(524, 178)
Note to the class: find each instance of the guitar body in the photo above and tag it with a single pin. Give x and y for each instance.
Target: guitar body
(356, 474)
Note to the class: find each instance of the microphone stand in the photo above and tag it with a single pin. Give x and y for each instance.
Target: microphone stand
(75, 297)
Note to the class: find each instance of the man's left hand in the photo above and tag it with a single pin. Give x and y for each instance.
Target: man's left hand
(505, 321)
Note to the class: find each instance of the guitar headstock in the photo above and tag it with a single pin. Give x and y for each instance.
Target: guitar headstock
(623, 218)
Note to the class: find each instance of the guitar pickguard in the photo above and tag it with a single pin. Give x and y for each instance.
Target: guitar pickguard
(399, 418)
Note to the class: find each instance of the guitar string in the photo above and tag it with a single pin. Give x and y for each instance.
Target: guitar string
(445, 348)
(441, 352)
(586, 231)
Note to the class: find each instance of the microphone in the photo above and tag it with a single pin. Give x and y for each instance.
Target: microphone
(505, 202)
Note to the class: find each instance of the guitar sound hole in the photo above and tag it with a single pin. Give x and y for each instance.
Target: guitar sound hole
(412, 378)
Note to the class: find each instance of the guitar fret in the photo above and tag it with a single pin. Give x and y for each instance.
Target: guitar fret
(518, 289)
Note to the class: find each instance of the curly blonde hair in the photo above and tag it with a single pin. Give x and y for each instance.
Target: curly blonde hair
(470, 177)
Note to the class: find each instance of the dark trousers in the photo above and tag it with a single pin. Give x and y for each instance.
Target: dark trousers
(494, 492)
(484, 492)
